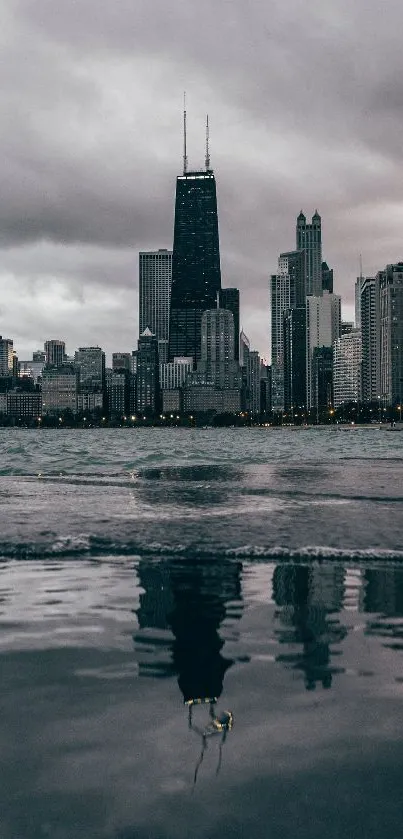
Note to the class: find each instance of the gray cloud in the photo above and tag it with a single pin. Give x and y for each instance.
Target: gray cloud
(305, 105)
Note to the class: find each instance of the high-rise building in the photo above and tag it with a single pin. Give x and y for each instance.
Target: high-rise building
(122, 361)
(55, 352)
(244, 350)
(357, 299)
(347, 361)
(370, 331)
(309, 239)
(323, 319)
(327, 278)
(60, 384)
(322, 378)
(148, 397)
(295, 359)
(346, 327)
(391, 333)
(196, 274)
(217, 335)
(173, 374)
(265, 388)
(90, 362)
(155, 279)
(280, 301)
(117, 392)
(293, 265)
(229, 299)
(6, 357)
(254, 381)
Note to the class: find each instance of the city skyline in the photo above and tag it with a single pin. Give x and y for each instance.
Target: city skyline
(90, 154)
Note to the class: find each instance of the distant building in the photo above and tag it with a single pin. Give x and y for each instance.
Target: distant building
(24, 404)
(39, 356)
(60, 386)
(90, 362)
(148, 397)
(391, 333)
(173, 374)
(280, 301)
(370, 332)
(196, 273)
(357, 297)
(265, 388)
(117, 392)
(55, 352)
(90, 401)
(327, 278)
(122, 361)
(322, 378)
(228, 299)
(30, 369)
(155, 280)
(347, 362)
(322, 328)
(172, 400)
(217, 335)
(295, 359)
(254, 382)
(244, 350)
(6, 357)
(309, 239)
(346, 327)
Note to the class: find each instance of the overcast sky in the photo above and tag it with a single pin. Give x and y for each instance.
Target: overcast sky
(306, 111)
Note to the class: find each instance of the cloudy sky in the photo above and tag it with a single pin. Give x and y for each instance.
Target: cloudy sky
(306, 110)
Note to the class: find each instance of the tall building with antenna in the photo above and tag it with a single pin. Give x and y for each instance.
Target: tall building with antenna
(196, 274)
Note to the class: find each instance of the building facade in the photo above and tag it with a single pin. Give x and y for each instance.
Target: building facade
(370, 336)
(391, 334)
(347, 364)
(229, 299)
(196, 273)
(309, 239)
(60, 387)
(295, 359)
(90, 362)
(323, 325)
(55, 352)
(148, 396)
(6, 357)
(155, 281)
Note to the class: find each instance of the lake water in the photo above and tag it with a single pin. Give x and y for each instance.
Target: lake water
(201, 633)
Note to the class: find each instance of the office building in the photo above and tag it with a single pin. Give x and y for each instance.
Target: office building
(359, 283)
(90, 362)
(280, 302)
(228, 299)
(327, 278)
(295, 359)
(323, 323)
(265, 388)
(391, 334)
(370, 334)
(322, 379)
(196, 274)
(309, 239)
(55, 352)
(60, 387)
(117, 393)
(217, 336)
(293, 265)
(24, 405)
(346, 327)
(155, 280)
(254, 382)
(6, 357)
(347, 362)
(122, 361)
(173, 374)
(31, 370)
(148, 396)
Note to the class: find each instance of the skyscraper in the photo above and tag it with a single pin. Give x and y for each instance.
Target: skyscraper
(90, 362)
(229, 299)
(323, 318)
(357, 297)
(196, 274)
(293, 264)
(347, 357)
(6, 357)
(391, 323)
(148, 384)
(295, 359)
(370, 331)
(309, 239)
(155, 278)
(55, 352)
(280, 302)
(327, 278)
(217, 335)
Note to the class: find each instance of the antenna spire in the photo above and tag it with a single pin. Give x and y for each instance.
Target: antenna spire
(185, 157)
(207, 145)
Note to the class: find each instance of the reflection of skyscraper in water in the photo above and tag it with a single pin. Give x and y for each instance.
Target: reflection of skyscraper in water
(383, 597)
(307, 598)
(191, 598)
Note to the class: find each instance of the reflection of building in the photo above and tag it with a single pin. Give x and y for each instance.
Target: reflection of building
(307, 597)
(188, 597)
(383, 592)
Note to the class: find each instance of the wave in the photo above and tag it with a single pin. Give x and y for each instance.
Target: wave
(87, 546)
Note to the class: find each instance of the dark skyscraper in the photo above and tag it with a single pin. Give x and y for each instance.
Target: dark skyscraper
(229, 299)
(309, 239)
(196, 275)
(294, 359)
(148, 382)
